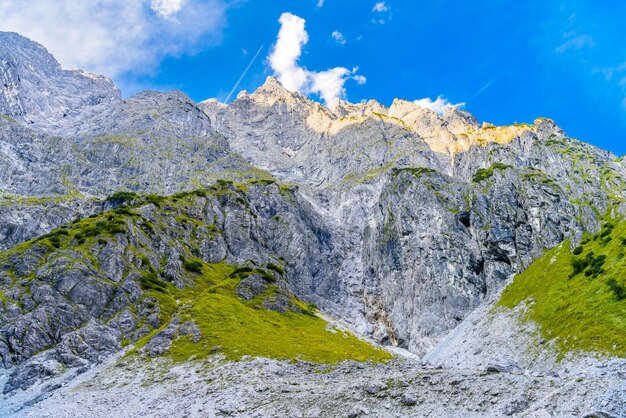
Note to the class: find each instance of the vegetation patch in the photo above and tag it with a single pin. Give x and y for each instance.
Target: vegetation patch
(486, 173)
(416, 171)
(238, 328)
(578, 298)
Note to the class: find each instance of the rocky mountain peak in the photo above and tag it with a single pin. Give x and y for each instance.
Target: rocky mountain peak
(36, 90)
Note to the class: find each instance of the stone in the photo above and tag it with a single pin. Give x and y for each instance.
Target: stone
(504, 366)
(408, 399)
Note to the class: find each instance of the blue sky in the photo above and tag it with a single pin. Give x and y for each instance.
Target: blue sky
(507, 61)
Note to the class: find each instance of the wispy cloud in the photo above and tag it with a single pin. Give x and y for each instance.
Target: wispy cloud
(320, 4)
(328, 84)
(338, 37)
(115, 37)
(574, 41)
(439, 105)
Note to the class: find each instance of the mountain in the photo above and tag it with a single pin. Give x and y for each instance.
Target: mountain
(202, 236)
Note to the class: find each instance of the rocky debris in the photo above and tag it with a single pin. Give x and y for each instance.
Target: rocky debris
(357, 411)
(264, 388)
(375, 387)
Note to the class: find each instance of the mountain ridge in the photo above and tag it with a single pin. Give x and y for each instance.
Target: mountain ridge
(400, 223)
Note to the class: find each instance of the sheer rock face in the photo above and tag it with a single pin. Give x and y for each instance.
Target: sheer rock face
(37, 91)
(413, 219)
(422, 239)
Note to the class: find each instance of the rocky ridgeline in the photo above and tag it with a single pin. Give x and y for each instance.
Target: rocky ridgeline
(432, 213)
(397, 221)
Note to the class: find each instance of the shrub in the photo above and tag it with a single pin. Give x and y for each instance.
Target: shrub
(596, 265)
(278, 269)
(578, 265)
(617, 288)
(155, 199)
(578, 250)
(268, 277)
(311, 309)
(193, 266)
(123, 211)
(606, 230)
(242, 271)
(55, 241)
(120, 198)
(485, 173)
(150, 281)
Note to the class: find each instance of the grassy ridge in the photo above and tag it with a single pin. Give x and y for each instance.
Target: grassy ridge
(578, 296)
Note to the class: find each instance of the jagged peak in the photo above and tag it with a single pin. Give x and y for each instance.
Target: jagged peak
(272, 87)
(459, 119)
(343, 108)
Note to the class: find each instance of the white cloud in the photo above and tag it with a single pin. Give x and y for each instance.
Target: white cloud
(380, 7)
(438, 105)
(283, 59)
(329, 84)
(338, 37)
(167, 8)
(115, 37)
(382, 13)
(360, 79)
(320, 4)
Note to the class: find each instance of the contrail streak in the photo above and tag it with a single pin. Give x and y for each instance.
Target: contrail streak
(244, 73)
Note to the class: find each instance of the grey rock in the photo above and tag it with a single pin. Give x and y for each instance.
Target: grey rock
(408, 399)
(375, 387)
(251, 287)
(504, 366)
(357, 411)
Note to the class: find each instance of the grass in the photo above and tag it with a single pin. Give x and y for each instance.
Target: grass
(241, 328)
(579, 297)
(485, 173)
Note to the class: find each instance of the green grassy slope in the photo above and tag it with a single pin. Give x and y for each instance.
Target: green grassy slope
(579, 296)
(236, 328)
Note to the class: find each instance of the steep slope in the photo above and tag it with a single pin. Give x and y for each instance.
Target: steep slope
(160, 266)
(67, 140)
(563, 315)
(38, 92)
(430, 213)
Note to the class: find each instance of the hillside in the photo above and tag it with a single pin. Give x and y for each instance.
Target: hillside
(276, 241)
